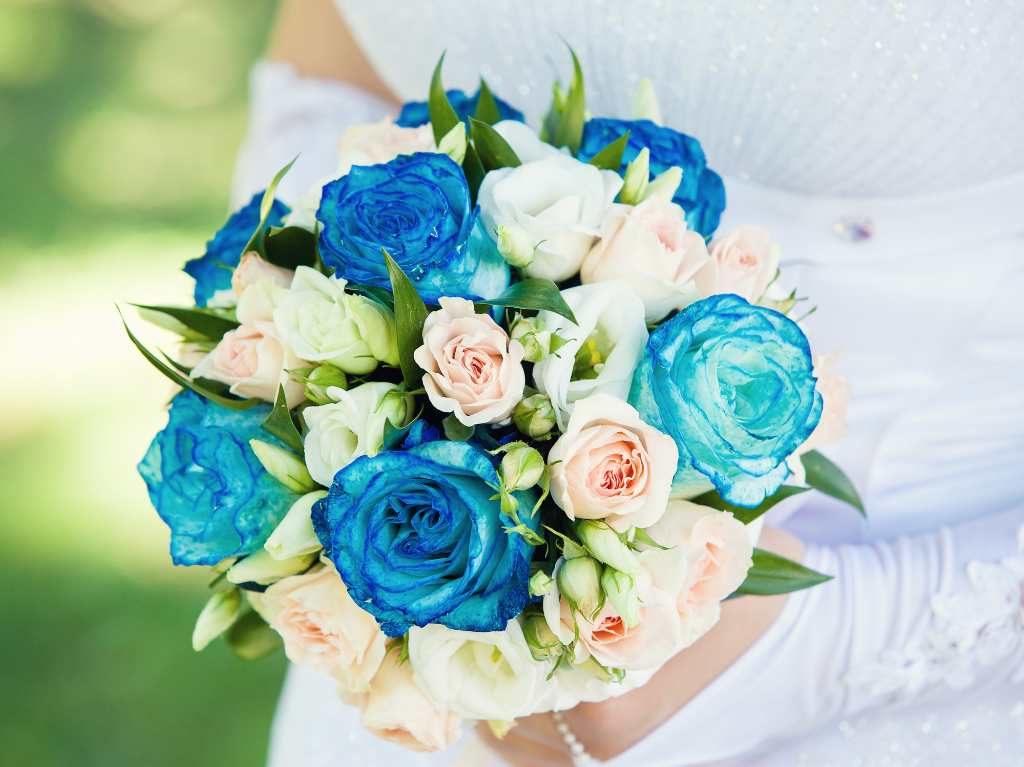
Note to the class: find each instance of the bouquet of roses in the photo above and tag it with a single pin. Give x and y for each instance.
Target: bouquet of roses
(484, 427)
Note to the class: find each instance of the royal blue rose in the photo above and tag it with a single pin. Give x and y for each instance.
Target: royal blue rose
(207, 484)
(732, 384)
(701, 193)
(415, 113)
(212, 270)
(418, 538)
(417, 208)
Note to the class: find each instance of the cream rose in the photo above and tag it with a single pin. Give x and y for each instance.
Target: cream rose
(743, 262)
(600, 353)
(381, 142)
(472, 369)
(352, 426)
(397, 710)
(253, 362)
(649, 248)
(322, 627)
(610, 465)
(252, 269)
(321, 322)
(551, 208)
(835, 400)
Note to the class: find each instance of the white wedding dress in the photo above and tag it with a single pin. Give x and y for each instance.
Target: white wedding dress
(883, 144)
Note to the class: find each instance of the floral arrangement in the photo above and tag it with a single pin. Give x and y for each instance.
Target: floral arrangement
(484, 426)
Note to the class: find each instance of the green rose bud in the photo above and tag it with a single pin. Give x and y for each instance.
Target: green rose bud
(319, 379)
(540, 583)
(262, 568)
(220, 612)
(521, 468)
(579, 581)
(543, 643)
(620, 589)
(634, 184)
(534, 416)
(604, 544)
(453, 143)
(534, 337)
(664, 186)
(284, 466)
(515, 245)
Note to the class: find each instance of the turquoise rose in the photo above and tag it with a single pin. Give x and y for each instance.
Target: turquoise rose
(732, 384)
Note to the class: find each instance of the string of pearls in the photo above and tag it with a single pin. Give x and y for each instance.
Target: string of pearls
(580, 757)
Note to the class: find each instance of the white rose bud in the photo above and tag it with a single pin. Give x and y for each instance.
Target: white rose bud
(645, 102)
(664, 186)
(604, 544)
(620, 589)
(579, 581)
(453, 143)
(543, 643)
(321, 377)
(284, 466)
(515, 245)
(637, 178)
(521, 468)
(260, 567)
(294, 535)
(534, 416)
(540, 583)
(220, 612)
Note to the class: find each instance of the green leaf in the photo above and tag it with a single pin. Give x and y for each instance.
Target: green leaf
(563, 124)
(487, 110)
(393, 435)
(772, 574)
(281, 424)
(533, 293)
(382, 296)
(474, 170)
(251, 638)
(202, 321)
(744, 515)
(825, 477)
(184, 381)
(257, 241)
(610, 157)
(455, 430)
(290, 247)
(410, 313)
(493, 150)
(443, 116)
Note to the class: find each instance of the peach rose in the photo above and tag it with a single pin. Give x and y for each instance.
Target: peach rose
(376, 143)
(252, 360)
(252, 269)
(322, 627)
(397, 710)
(650, 249)
(472, 368)
(835, 400)
(743, 262)
(610, 465)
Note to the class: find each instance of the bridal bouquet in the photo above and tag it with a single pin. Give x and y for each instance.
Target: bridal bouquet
(484, 426)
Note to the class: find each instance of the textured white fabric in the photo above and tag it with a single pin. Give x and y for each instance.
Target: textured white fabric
(926, 315)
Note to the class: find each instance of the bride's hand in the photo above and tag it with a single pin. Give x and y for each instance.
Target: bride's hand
(607, 729)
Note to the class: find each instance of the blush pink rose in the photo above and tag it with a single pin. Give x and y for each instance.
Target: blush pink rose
(323, 628)
(396, 709)
(743, 262)
(650, 249)
(252, 269)
(376, 143)
(253, 362)
(835, 400)
(472, 368)
(610, 465)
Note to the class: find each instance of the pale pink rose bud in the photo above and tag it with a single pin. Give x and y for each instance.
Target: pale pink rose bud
(743, 262)
(252, 269)
(610, 465)
(472, 369)
(376, 143)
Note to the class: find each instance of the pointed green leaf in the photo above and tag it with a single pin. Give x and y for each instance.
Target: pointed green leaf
(493, 150)
(563, 124)
(184, 381)
(825, 477)
(281, 424)
(610, 157)
(455, 430)
(290, 247)
(536, 294)
(258, 240)
(746, 516)
(772, 574)
(487, 110)
(202, 321)
(443, 116)
(474, 171)
(410, 313)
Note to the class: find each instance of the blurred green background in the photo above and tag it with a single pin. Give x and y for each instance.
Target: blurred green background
(119, 122)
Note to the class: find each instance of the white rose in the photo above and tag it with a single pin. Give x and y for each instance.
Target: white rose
(557, 204)
(352, 426)
(477, 674)
(650, 249)
(381, 142)
(525, 142)
(323, 323)
(600, 353)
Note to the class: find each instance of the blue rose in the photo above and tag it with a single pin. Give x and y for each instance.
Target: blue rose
(418, 538)
(212, 270)
(415, 113)
(732, 384)
(701, 193)
(207, 484)
(417, 208)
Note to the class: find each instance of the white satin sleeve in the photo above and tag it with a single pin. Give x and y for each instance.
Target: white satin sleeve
(295, 116)
(916, 620)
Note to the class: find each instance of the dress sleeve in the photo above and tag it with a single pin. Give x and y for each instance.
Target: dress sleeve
(915, 619)
(291, 115)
